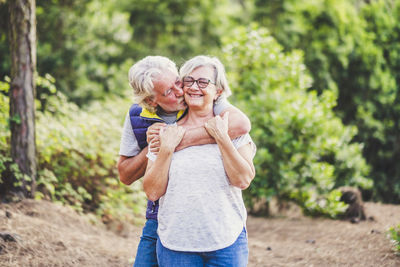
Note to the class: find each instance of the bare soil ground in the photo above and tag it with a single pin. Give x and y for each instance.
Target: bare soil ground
(46, 234)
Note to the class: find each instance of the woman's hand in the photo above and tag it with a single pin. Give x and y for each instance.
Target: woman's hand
(171, 136)
(217, 127)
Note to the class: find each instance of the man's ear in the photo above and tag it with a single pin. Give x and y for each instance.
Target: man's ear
(150, 101)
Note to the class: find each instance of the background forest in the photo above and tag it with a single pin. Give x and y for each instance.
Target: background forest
(319, 80)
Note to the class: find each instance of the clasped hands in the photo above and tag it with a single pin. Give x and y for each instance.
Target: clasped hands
(161, 134)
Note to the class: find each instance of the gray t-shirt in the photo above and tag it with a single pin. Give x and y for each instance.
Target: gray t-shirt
(201, 210)
(129, 146)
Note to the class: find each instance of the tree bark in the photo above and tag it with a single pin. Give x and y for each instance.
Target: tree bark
(22, 34)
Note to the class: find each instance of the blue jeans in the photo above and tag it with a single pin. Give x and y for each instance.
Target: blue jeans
(236, 255)
(146, 253)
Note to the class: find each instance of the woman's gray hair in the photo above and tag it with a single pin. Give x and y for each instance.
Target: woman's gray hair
(205, 61)
(143, 73)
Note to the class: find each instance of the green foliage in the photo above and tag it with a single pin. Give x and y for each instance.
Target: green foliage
(77, 152)
(5, 62)
(5, 157)
(88, 45)
(304, 151)
(180, 29)
(89, 56)
(122, 203)
(77, 155)
(353, 48)
(394, 234)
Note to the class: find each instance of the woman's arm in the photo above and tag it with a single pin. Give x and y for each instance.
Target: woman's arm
(239, 125)
(155, 180)
(238, 163)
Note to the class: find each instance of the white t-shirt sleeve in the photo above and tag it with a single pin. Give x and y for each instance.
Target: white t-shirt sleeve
(151, 156)
(220, 105)
(129, 146)
(244, 140)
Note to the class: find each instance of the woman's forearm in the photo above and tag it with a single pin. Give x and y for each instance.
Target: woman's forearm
(156, 177)
(155, 180)
(238, 166)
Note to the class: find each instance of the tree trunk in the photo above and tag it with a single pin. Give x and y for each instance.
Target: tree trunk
(22, 34)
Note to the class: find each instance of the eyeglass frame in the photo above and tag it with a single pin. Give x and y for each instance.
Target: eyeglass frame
(197, 82)
(178, 83)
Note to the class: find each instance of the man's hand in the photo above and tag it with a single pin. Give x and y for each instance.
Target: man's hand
(217, 127)
(171, 136)
(154, 130)
(153, 136)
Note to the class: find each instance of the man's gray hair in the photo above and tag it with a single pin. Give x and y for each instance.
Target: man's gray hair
(206, 61)
(143, 73)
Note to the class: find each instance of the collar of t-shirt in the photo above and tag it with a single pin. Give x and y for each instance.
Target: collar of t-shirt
(169, 118)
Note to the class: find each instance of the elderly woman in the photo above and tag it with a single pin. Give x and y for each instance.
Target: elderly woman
(202, 218)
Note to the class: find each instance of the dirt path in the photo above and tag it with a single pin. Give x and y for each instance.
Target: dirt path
(303, 241)
(51, 235)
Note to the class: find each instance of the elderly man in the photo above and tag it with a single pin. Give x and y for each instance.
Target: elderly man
(158, 91)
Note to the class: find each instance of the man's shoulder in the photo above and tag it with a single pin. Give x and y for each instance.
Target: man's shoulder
(135, 110)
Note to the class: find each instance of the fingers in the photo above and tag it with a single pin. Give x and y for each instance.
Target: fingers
(154, 144)
(155, 127)
(152, 137)
(172, 136)
(155, 147)
(153, 131)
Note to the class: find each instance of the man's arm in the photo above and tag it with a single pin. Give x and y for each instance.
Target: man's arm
(131, 169)
(239, 125)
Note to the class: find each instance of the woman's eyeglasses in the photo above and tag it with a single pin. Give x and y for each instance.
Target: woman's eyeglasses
(201, 82)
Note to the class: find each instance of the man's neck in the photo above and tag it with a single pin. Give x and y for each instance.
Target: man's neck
(168, 117)
(160, 111)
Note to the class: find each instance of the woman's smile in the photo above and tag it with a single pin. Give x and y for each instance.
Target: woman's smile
(195, 95)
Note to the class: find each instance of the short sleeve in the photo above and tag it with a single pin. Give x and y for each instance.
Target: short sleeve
(220, 105)
(129, 146)
(244, 140)
(151, 156)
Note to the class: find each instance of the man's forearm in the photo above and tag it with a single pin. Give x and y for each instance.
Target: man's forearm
(132, 168)
(239, 125)
(194, 137)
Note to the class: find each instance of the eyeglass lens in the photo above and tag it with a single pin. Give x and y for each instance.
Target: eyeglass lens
(201, 82)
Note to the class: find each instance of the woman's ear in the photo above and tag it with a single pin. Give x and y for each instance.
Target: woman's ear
(219, 92)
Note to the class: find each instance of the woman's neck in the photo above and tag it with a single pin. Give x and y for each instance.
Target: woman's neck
(197, 118)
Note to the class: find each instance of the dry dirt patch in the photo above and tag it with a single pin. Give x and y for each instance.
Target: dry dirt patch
(304, 241)
(47, 234)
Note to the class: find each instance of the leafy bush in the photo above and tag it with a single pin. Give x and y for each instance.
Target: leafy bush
(352, 47)
(77, 153)
(5, 157)
(394, 234)
(304, 150)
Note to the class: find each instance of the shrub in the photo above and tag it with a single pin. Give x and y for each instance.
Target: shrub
(77, 153)
(304, 150)
(352, 47)
(394, 234)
